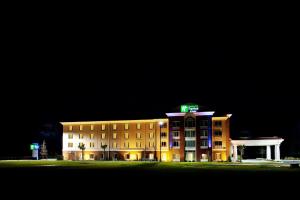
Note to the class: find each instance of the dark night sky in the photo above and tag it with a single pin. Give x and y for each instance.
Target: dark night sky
(61, 73)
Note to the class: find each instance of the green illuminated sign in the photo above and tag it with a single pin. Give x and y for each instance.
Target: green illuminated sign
(31, 147)
(189, 108)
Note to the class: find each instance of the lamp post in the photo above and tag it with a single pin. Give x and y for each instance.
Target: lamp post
(160, 125)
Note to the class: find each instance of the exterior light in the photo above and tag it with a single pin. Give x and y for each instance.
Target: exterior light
(161, 123)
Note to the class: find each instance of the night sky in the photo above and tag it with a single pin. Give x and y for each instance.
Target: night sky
(66, 74)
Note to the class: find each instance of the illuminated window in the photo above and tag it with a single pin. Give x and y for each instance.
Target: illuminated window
(80, 136)
(70, 136)
(190, 143)
(218, 123)
(70, 145)
(114, 135)
(151, 126)
(138, 126)
(126, 126)
(163, 144)
(138, 144)
(80, 127)
(203, 143)
(204, 133)
(92, 127)
(92, 144)
(176, 134)
(103, 127)
(164, 125)
(114, 145)
(103, 135)
(115, 126)
(176, 143)
(151, 144)
(151, 135)
(138, 135)
(80, 144)
(163, 135)
(126, 144)
(126, 135)
(218, 133)
(70, 128)
(91, 136)
(176, 156)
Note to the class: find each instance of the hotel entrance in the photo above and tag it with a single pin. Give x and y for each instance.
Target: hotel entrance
(190, 156)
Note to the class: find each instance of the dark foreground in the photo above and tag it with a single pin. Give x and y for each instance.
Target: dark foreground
(140, 179)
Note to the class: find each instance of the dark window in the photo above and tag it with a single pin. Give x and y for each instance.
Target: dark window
(190, 143)
(163, 135)
(190, 122)
(218, 123)
(190, 133)
(163, 144)
(176, 133)
(218, 143)
(218, 133)
(176, 124)
(175, 143)
(204, 123)
(204, 143)
(204, 133)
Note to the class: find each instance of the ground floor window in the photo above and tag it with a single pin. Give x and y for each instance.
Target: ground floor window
(116, 156)
(176, 157)
(92, 156)
(190, 156)
(151, 156)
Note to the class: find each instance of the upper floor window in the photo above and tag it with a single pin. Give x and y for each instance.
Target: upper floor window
(103, 127)
(164, 125)
(151, 135)
(190, 122)
(92, 127)
(176, 143)
(91, 136)
(190, 143)
(138, 135)
(126, 135)
(70, 136)
(204, 143)
(70, 145)
(163, 144)
(80, 127)
(80, 136)
(163, 134)
(218, 123)
(114, 126)
(126, 126)
(190, 133)
(218, 133)
(92, 144)
(103, 135)
(176, 133)
(175, 123)
(70, 128)
(138, 144)
(151, 126)
(203, 122)
(114, 135)
(204, 133)
(218, 143)
(138, 126)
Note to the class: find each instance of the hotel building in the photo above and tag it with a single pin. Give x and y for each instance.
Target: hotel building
(188, 135)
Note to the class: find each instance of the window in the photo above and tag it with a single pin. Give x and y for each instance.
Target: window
(70, 136)
(218, 123)
(114, 126)
(164, 125)
(80, 127)
(138, 126)
(163, 134)
(126, 126)
(176, 124)
(103, 135)
(70, 145)
(126, 136)
(190, 143)
(163, 144)
(176, 134)
(138, 144)
(151, 135)
(138, 135)
(190, 133)
(115, 156)
(92, 127)
(70, 128)
(204, 143)
(176, 156)
(114, 135)
(92, 156)
(80, 144)
(151, 144)
(103, 127)
(204, 156)
(80, 136)
(114, 145)
(218, 133)
(190, 122)
(151, 126)
(204, 133)
(92, 144)
(91, 136)
(126, 144)
(203, 123)
(218, 143)
(176, 143)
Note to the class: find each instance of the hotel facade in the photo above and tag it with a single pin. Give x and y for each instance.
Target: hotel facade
(188, 135)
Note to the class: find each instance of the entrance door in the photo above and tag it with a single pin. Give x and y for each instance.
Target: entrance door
(190, 156)
(218, 157)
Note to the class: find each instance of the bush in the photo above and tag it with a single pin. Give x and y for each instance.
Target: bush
(59, 157)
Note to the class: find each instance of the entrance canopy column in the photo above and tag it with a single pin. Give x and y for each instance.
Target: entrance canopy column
(268, 152)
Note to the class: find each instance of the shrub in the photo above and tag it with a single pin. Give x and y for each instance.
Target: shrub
(59, 157)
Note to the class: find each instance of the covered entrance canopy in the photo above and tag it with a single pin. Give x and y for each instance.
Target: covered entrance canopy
(262, 141)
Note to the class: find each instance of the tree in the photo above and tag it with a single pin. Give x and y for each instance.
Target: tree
(81, 146)
(44, 152)
(104, 147)
(241, 149)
